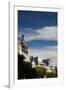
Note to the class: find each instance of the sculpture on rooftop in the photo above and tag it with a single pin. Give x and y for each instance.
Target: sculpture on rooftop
(22, 37)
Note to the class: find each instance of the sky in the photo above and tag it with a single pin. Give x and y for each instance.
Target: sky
(40, 32)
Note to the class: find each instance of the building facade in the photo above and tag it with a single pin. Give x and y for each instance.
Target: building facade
(23, 48)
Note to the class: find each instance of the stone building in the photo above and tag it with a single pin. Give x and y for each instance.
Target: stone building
(23, 48)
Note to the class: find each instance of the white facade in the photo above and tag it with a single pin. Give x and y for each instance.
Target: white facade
(33, 64)
(22, 53)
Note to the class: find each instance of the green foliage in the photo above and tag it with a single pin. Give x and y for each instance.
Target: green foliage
(40, 71)
(51, 75)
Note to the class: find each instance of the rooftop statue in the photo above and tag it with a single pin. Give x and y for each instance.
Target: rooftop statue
(22, 37)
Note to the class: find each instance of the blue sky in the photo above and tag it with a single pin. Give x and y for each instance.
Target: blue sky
(36, 20)
(39, 29)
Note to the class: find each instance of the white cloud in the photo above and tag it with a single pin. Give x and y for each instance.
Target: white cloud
(48, 52)
(46, 33)
(52, 48)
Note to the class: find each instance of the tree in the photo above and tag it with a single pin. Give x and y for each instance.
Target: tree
(51, 75)
(40, 71)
